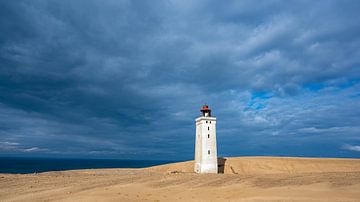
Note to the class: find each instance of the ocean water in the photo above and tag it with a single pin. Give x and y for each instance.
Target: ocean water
(32, 165)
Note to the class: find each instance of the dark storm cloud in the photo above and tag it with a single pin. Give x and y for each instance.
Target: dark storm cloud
(126, 78)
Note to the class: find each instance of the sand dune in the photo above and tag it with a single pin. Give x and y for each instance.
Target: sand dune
(273, 165)
(245, 179)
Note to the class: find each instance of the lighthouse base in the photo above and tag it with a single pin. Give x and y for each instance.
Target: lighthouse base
(206, 168)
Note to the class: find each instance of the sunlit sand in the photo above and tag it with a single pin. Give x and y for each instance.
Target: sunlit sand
(244, 179)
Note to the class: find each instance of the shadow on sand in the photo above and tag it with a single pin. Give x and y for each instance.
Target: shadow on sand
(221, 164)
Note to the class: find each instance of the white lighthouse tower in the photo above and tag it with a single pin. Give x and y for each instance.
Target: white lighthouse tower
(205, 143)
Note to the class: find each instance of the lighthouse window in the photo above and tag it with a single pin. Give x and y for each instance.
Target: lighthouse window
(208, 135)
(208, 128)
(206, 121)
(210, 121)
(209, 152)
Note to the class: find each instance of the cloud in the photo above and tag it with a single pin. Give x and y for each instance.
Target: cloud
(17, 147)
(6, 146)
(34, 149)
(125, 79)
(355, 148)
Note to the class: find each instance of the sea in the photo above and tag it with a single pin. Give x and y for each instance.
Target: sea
(22, 165)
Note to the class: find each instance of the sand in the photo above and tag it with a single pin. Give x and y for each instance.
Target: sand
(244, 179)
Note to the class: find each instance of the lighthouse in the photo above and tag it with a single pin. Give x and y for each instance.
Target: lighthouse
(205, 142)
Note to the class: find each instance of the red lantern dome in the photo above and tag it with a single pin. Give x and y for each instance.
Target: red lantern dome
(206, 111)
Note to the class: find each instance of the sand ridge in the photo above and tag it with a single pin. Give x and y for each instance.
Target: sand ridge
(244, 179)
(273, 165)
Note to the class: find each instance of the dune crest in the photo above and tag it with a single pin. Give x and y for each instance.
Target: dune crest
(272, 165)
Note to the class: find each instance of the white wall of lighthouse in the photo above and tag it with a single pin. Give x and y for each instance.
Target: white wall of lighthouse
(205, 143)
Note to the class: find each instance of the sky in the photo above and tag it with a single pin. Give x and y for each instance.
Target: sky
(126, 79)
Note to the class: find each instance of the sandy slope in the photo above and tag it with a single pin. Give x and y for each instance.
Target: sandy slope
(245, 179)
